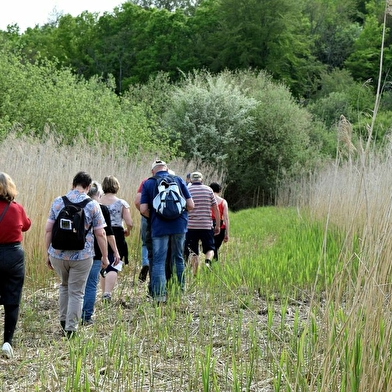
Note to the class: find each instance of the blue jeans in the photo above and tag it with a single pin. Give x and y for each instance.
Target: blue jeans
(158, 273)
(143, 232)
(90, 293)
(145, 256)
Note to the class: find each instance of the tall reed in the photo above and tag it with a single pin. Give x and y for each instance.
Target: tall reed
(354, 346)
(43, 171)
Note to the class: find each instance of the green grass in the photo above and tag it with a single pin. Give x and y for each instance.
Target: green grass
(237, 327)
(281, 253)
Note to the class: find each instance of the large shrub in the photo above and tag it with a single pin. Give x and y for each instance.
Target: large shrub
(248, 126)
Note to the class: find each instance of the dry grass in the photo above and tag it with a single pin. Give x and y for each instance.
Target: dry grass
(221, 335)
(45, 171)
(355, 196)
(212, 338)
(131, 346)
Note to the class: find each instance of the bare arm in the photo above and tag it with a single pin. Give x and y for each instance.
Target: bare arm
(137, 200)
(126, 215)
(102, 241)
(112, 242)
(48, 234)
(48, 239)
(144, 210)
(215, 210)
(190, 204)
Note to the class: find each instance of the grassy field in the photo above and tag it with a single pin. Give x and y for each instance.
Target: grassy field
(299, 301)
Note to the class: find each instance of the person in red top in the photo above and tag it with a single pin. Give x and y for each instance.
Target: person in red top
(13, 221)
(223, 220)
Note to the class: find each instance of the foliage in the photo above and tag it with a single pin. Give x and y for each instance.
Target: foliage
(267, 35)
(36, 96)
(152, 98)
(334, 29)
(246, 125)
(208, 114)
(382, 128)
(188, 6)
(364, 62)
(339, 94)
(292, 40)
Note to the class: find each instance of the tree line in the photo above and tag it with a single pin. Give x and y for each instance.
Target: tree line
(293, 40)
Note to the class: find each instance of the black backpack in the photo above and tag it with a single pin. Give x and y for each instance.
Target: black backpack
(69, 231)
(169, 203)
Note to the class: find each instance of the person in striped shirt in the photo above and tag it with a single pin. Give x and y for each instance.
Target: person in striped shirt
(200, 226)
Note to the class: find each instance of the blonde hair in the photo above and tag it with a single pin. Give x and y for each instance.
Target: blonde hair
(110, 184)
(8, 190)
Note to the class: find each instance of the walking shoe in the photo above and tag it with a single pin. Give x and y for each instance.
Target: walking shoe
(208, 263)
(70, 334)
(106, 297)
(7, 350)
(87, 322)
(143, 273)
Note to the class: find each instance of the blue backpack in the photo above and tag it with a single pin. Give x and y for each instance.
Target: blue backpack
(169, 203)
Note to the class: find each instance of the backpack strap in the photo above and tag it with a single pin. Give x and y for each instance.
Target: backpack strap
(4, 211)
(81, 204)
(169, 177)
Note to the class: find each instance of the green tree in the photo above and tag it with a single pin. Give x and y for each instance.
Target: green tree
(188, 6)
(334, 29)
(207, 114)
(285, 142)
(364, 62)
(338, 94)
(264, 34)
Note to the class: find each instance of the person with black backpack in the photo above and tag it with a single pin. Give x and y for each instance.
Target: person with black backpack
(69, 239)
(165, 201)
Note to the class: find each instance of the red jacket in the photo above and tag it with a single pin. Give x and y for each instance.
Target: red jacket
(14, 222)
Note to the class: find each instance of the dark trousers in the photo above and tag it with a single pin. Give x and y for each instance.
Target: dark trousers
(12, 273)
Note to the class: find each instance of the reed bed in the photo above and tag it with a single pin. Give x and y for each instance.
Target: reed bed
(355, 196)
(298, 301)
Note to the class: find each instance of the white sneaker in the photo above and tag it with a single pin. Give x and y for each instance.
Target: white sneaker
(7, 350)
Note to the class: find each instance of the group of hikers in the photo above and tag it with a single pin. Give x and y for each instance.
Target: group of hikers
(85, 238)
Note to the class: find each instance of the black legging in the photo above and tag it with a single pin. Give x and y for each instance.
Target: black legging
(218, 241)
(11, 313)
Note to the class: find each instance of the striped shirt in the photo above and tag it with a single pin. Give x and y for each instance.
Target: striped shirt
(204, 199)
